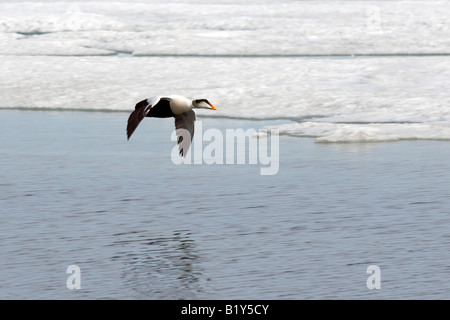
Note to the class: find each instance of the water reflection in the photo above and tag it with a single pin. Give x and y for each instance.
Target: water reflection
(164, 267)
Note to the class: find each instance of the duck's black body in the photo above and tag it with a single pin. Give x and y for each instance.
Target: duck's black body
(161, 110)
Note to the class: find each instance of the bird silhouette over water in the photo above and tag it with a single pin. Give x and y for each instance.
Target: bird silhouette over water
(175, 106)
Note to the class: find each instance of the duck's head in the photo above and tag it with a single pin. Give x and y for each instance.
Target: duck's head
(202, 104)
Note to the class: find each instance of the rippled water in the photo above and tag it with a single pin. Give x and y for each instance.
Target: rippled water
(74, 191)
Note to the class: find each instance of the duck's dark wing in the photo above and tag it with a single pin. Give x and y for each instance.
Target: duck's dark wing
(141, 109)
(184, 126)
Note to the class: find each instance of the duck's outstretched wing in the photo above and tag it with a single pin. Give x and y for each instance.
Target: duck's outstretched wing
(184, 126)
(140, 111)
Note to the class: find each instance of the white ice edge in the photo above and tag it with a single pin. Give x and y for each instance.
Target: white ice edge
(374, 132)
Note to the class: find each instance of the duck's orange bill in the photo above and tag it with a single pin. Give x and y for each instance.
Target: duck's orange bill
(212, 107)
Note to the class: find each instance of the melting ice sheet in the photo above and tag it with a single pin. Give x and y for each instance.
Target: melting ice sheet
(225, 27)
(372, 132)
(254, 60)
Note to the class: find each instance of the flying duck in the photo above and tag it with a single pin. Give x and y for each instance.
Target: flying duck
(178, 107)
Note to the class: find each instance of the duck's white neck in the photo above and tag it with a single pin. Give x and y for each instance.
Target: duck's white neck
(180, 104)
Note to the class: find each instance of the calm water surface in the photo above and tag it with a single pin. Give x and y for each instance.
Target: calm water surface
(74, 191)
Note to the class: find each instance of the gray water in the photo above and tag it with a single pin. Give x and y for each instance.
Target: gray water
(75, 192)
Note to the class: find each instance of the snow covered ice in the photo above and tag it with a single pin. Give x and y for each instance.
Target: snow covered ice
(340, 71)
